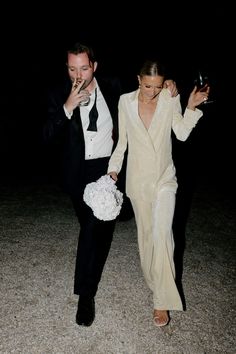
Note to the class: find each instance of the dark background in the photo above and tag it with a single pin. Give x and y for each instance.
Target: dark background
(34, 39)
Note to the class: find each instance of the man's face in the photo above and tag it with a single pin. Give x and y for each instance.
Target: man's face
(80, 68)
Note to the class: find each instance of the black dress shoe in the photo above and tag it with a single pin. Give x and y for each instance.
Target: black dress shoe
(86, 311)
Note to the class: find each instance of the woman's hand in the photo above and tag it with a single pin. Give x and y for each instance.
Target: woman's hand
(171, 86)
(113, 175)
(197, 97)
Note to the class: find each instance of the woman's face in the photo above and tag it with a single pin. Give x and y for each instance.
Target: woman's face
(150, 86)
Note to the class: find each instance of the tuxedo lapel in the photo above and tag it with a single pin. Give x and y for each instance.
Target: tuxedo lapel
(111, 91)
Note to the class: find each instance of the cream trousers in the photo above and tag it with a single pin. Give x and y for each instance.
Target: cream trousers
(156, 248)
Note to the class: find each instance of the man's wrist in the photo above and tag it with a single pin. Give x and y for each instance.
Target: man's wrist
(68, 114)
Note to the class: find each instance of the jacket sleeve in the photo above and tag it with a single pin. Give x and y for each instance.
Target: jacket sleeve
(56, 119)
(117, 157)
(182, 125)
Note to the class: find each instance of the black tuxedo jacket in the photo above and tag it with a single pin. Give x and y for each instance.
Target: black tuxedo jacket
(70, 133)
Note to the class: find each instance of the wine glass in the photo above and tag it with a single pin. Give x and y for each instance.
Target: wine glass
(202, 83)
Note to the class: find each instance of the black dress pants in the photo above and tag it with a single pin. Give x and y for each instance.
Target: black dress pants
(95, 237)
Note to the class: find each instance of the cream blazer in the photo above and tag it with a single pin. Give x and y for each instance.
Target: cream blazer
(150, 166)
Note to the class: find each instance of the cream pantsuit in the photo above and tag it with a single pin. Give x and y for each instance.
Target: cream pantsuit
(151, 185)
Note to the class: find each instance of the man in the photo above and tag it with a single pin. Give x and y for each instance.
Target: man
(84, 113)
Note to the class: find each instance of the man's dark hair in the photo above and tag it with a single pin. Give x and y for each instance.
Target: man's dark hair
(78, 48)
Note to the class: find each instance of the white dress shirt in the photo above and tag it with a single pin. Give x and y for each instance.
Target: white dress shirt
(97, 144)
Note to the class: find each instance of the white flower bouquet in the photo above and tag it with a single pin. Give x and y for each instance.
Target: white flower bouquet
(103, 198)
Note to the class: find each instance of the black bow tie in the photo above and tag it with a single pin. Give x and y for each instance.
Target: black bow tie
(93, 116)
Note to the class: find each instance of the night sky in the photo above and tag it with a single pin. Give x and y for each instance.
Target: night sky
(33, 54)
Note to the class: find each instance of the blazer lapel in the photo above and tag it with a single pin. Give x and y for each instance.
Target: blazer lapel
(135, 114)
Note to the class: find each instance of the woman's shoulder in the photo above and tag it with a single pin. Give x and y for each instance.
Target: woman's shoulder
(129, 95)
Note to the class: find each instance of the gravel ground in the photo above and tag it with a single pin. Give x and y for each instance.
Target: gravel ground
(38, 239)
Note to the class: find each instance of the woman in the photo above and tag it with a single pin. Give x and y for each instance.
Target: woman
(146, 118)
